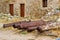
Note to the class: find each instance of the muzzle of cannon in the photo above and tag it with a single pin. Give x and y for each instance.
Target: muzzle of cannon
(11, 24)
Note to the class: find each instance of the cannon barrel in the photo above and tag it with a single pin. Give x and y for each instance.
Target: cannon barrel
(11, 24)
(27, 25)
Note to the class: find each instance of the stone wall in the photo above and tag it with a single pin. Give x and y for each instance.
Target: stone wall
(3, 6)
(33, 8)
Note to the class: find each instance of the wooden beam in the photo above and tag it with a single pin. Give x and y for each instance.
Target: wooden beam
(22, 10)
(11, 7)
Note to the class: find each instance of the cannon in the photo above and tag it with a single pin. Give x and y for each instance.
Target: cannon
(27, 25)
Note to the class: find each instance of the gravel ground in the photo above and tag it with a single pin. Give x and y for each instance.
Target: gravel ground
(7, 34)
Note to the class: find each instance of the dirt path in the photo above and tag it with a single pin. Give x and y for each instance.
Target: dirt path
(12, 35)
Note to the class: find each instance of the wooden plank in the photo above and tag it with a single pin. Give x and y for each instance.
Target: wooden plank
(11, 7)
(44, 3)
(22, 10)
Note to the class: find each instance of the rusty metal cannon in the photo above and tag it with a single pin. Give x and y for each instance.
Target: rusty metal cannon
(28, 25)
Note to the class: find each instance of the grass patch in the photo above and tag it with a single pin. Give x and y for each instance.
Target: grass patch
(23, 32)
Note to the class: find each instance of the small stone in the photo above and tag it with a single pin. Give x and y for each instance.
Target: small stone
(57, 38)
(31, 39)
